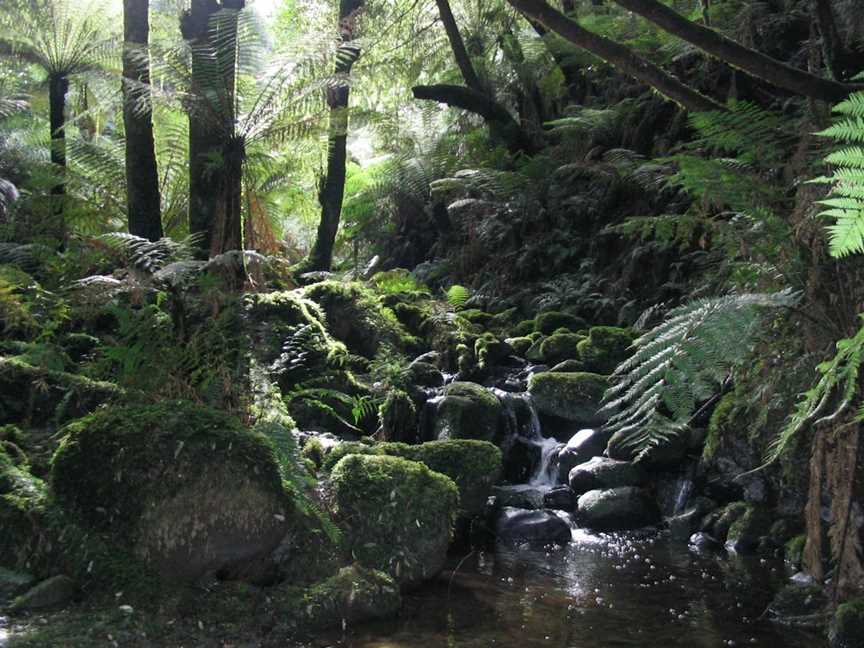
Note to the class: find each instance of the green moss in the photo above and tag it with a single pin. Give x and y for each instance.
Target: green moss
(847, 628)
(745, 531)
(605, 348)
(547, 323)
(793, 550)
(467, 411)
(39, 396)
(523, 328)
(313, 450)
(182, 485)
(559, 347)
(476, 316)
(490, 351)
(356, 317)
(571, 396)
(398, 417)
(396, 515)
(520, 345)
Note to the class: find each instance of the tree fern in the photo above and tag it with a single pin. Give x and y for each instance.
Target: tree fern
(458, 295)
(681, 363)
(845, 203)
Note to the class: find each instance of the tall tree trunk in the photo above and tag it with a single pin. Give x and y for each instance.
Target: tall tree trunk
(142, 179)
(574, 76)
(460, 53)
(751, 61)
(58, 86)
(228, 231)
(332, 192)
(205, 141)
(616, 54)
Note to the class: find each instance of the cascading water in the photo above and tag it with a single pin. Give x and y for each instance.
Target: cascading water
(523, 424)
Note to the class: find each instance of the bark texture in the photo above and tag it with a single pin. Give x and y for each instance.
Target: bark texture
(754, 63)
(58, 86)
(618, 55)
(332, 192)
(142, 178)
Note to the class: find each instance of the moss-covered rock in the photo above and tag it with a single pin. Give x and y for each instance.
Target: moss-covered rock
(356, 317)
(395, 515)
(474, 466)
(49, 593)
(477, 316)
(617, 509)
(520, 345)
(467, 411)
(571, 396)
(605, 348)
(523, 328)
(398, 417)
(547, 323)
(793, 550)
(22, 498)
(719, 522)
(490, 351)
(561, 346)
(747, 529)
(188, 489)
(534, 352)
(38, 396)
(847, 627)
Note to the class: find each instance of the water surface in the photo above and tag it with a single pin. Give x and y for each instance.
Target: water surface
(600, 591)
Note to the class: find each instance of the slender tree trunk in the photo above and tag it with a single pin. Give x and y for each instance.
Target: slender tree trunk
(228, 232)
(458, 46)
(332, 192)
(754, 63)
(58, 86)
(142, 179)
(574, 76)
(205, 141)
(501, 123)
(618, 55)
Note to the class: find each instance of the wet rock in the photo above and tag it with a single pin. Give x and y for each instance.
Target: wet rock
(49, 593)
(515, 526)
(573, 397)
(746, 532)
(682, 525)
(800, 605)
(702, 541)
(467, 411)
(601, 473)
(847, 627)
(667, 453)
(522, 497)
(187, 489)
(617, 509)
(560, 498)
(13, 583)
(425, 374)
(395, 515)
(520, 345)
(581, 447)
(568, 366)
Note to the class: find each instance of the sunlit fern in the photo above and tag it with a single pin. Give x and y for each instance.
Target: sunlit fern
(683, 362)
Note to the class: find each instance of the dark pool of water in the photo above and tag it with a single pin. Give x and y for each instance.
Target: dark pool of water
(600, 591)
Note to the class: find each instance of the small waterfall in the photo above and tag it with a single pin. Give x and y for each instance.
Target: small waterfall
(683, 490)
(523, 425)
(427, 417)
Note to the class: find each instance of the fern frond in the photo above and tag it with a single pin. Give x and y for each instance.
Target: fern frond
(679, 363)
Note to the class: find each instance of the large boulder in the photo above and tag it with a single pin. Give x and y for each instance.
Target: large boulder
(602, 473)
(574, 397)
(395, 515)
(467, 411)
(516, 526)
(617, 509)
(474, 466)
(188, 489)
(667, 452)
(581, 447)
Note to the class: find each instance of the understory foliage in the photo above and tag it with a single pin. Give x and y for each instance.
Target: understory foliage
(681, 363)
